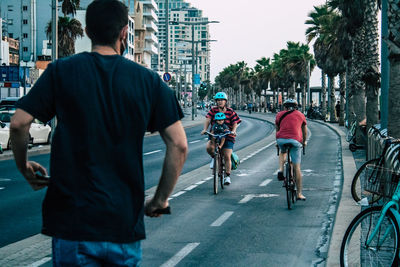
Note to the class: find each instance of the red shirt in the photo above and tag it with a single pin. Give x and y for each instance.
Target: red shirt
(290, 127)
(231, 119)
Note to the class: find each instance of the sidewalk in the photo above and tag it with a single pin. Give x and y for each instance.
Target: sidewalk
(347, 209)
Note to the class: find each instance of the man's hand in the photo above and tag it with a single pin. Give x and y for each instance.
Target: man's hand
(35, 181)
(203, 132)
(233, 132)
(152, 205)
(304, 143)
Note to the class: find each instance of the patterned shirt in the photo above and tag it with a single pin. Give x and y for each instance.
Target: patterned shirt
(231, 119)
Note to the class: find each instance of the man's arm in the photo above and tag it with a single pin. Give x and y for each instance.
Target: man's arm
(19, 135)
(304, 131)
(175, 139)
(206, 124)
(234, 127)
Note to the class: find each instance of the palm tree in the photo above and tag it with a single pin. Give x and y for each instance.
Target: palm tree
(393, 42)
(69, 29)
(263, 75)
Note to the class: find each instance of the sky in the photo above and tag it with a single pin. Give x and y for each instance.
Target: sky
(252, 29)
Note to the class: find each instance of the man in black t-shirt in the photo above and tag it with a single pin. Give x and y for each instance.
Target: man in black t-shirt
(104, 104)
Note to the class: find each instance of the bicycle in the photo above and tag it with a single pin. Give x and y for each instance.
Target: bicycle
(372, 238)
(363, 181)
(352, 132)
(290, 179)
(219, 161)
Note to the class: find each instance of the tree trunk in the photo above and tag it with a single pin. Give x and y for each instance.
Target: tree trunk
(394, 100)
(323, 94)
(372, 106)
(332, 97)
(303, 97)
(342, 82)
(292, 91)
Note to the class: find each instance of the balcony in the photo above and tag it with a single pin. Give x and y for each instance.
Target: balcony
(151, 26)
(150, 48)
(150, 3)
(151, 38)
(150, 14)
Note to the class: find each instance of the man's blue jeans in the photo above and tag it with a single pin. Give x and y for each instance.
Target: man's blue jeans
(86, 253)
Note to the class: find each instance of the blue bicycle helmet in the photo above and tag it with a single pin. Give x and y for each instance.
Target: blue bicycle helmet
(290, 102)
(219, 116)
(221, 95)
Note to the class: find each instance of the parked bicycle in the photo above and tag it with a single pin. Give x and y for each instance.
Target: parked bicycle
(372, 238)
(219, 161)
(352, 132)
(290, 177)
(366, 180)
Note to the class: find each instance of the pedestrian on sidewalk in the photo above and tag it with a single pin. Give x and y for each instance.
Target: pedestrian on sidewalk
(94, 204)
(232, 120)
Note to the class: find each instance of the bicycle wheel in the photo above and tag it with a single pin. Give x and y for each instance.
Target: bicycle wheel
(287, 185)
(357, 185)
(222, 173)
(294, 191)
(382, 250)
(215, 174)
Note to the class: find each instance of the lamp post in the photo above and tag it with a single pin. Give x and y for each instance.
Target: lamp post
(166, 36)
(193, 56)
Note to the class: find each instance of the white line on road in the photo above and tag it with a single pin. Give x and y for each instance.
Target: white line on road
(201, 182)
(152, 152)
(1, 188)
(41, 262)
(249, 197)
(180, 255)
(4, 180)
(276, 172)
(178, 194)
(266, 182)
(208, 178)
(190, 187)
(195, 141)
(222, 219)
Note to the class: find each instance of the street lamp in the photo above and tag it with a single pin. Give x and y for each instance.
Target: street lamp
(193, 23)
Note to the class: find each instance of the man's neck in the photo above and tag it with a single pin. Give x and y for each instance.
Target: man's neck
(104, 50)
(222, 109)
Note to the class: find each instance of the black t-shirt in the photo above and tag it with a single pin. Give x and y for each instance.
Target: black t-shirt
(103, 106)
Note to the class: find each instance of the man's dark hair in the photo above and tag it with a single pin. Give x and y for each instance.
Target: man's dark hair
(105, 20)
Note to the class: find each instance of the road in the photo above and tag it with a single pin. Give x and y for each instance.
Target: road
(246, 224)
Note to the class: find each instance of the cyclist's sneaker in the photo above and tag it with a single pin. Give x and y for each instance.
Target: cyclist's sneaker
(227, 180)
(212, 164)
(280, 176)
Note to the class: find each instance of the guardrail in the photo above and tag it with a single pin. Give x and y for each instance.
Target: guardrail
(376, 137)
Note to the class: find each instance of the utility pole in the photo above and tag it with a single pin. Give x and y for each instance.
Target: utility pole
(54, 31)
(167, 35)
(385, 68)
(308, 85)
(193, 76)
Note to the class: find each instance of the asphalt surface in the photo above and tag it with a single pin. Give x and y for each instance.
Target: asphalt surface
(260, 232)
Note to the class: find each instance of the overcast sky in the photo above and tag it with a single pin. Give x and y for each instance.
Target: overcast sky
(249, 30)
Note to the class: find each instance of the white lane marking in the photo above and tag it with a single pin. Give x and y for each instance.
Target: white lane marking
(195, 141)
(4, 180)
(190, 187)
(266, 182)
(40, 262)
(249, 197)
(257, 151)
(1, 188)
(222, 219)
(152, 152)
(178, 194)
(180, 255)
(308, 170)
(208, 178)
(201, 182)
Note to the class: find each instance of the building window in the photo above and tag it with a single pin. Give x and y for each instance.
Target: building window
(10, 22)
(25, 35)
(25, 49)
(11, 35)
(25, 8)
(25, 21)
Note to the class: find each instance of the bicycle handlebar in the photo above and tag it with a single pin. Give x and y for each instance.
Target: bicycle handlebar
(218, 135)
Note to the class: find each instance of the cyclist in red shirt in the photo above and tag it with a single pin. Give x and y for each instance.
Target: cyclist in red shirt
(291, 129)
(232, 120)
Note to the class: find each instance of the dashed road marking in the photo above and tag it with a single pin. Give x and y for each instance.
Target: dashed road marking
(180, 255)
(190, 187)
(178, 194)
(222, 219)
(152, 152)
(195, 141)
(4, 180)
(1, 188)
(249, 197)
(40, 262)
(200, 182)
(208, 178)
(266, 182)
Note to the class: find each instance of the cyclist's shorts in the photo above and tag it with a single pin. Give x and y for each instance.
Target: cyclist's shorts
(295, 151)
(228, 144)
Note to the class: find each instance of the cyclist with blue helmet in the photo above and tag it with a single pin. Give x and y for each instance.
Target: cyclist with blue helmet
(220, 127)
(291, 128)
(231, 120)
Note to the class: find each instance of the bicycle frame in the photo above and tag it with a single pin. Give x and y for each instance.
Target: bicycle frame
(393, 205)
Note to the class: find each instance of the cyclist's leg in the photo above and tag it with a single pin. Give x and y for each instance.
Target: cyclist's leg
(227, 151)
(295, 154)
(282, 156)
(210, 147)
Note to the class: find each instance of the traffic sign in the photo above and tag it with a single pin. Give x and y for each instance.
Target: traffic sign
(166, 77)
(197, 79)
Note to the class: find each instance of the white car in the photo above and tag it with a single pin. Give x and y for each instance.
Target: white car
(4, 136)
(39, 132)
